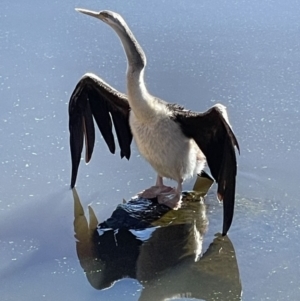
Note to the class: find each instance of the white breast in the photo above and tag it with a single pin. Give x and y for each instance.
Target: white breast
(162, 143)
(160, 139)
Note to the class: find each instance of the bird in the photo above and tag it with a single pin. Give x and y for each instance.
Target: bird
(177, 143)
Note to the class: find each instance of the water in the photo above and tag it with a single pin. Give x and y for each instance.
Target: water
(242, 54)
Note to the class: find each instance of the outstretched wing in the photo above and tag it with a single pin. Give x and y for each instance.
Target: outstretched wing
(214, 136)
(93, 97)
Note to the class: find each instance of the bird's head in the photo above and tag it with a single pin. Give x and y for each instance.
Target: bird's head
(135, 54)
(110, 18)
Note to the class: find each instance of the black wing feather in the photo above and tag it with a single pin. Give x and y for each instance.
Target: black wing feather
(89, 131)
(92, 97)
(215, 138)
(124, 140)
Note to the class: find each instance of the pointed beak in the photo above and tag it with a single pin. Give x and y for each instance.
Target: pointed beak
(90, 13)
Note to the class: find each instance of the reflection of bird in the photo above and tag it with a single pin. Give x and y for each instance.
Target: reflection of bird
(115, 251)
(176, 142)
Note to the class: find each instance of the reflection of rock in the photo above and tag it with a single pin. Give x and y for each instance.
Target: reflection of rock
(158, 247)
(214, 277)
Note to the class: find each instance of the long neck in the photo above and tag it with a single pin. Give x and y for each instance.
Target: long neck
(134, 52)
(139, 99)
(141, 102)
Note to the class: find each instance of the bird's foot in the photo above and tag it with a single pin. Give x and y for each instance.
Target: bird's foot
(172, 199)
(154, 191)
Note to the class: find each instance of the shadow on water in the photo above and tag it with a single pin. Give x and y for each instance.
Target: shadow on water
(159, 247)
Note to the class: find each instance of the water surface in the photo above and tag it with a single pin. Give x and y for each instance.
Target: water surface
(242, 54)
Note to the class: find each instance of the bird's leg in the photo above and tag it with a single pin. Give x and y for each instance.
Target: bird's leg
(172, 198)
(156, 190)
(160, 185)
(159, 181)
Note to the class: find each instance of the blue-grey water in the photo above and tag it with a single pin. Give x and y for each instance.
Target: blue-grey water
(244, 54)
